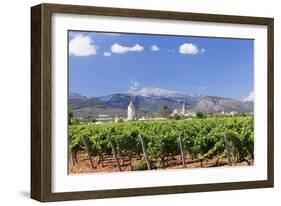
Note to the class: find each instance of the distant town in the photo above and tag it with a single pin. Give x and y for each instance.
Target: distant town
(164, 114)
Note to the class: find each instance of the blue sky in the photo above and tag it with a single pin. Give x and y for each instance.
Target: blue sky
(106, 63)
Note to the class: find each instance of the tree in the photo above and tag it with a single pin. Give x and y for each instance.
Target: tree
(199, 115)
(119, 120)
(165, 112)
(177, 117)
(70, 116)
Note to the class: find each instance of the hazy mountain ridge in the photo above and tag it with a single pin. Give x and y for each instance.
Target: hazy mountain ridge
(116, 104)
(75, 95)
(211, 104)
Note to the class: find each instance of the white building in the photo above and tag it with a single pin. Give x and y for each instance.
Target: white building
(131, 112)
(182, 113)
(175, 112)
(183, 108)
(190, 114)
(233, 113)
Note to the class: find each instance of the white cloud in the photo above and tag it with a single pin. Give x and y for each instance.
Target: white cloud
(82, 45)
(106, 54)
(119, 49)
(250, 97)
(189, 48)
(155, 91)
(202, 50)
(154, 48)
(134, 86)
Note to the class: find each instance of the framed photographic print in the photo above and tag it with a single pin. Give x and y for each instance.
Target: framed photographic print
(130, 102)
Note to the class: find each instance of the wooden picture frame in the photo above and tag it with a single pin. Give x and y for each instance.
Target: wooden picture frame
(41, 116)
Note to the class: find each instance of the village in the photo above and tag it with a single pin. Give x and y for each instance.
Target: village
(132, 115)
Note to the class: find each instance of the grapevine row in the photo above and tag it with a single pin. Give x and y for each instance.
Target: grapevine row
(201, 138)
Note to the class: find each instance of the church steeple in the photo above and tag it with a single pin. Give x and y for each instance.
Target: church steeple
(183, 107)
(131, 111)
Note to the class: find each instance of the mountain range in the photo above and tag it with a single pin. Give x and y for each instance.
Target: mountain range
(148, 102)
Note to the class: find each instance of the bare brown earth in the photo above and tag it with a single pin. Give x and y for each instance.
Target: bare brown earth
(109, 164)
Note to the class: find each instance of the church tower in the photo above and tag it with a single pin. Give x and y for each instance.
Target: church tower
(183, 107)
(131, 112)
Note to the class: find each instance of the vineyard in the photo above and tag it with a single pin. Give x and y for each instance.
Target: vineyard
(145, 145)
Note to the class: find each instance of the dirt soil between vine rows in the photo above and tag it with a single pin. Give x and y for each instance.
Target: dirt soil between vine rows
(109, 164)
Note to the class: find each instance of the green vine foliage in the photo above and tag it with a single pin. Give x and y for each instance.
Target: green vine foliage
(202, 138)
